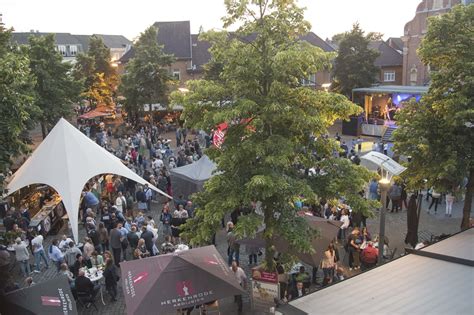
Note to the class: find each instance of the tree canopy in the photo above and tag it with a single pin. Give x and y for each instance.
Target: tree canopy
(17, 106)
(437, 132)
(146, 79)
(55, 88)
(276, 127)
(354, 64)
(96, 72)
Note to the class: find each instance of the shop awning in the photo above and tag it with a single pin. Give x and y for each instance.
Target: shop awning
(390, 89)
(66, 160)
(93, 114)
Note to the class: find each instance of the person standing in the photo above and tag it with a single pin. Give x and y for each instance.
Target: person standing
(148, 196)
(435, 198)
(120, 203)
(103, 237)
(22, 256)
(116, 243)
(328, 264)
(241, 277)
(166, 219)
(111, 278)
(345, 225)
(147, 235)
(449, 204)
(395, 193)
(354, 249)
(233, 247)
(55, 254)
(38, 251)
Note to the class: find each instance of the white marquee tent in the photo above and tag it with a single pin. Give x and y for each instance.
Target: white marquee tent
(66, 160)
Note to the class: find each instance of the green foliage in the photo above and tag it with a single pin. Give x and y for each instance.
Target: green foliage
(146, 79)
(354, 64)
(434, 132)
(276, 126)
(55, 88)
(16, 101)
(97, 74)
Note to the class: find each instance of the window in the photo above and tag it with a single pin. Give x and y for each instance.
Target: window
(437, 4)
(389, 76)
(413, 75)
(310, 81)
(73, 50)
(62, 50)
(177, 74)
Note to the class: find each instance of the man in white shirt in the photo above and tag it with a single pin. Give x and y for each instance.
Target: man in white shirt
(157, 164)
(64, 243)
(38, 251)
(241, 277)
(120, 202)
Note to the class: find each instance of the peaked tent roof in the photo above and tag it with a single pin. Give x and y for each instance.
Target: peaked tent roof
(198, 171)
(165, 283)
(66, 160)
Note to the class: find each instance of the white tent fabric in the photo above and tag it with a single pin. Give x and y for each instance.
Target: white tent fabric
(66, 160)
(385, 162)
(200, 170)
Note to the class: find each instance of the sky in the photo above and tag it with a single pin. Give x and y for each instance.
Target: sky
(129, 18)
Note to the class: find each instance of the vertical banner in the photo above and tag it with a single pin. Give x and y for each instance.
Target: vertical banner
(219, 135)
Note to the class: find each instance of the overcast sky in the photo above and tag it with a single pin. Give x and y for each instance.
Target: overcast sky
(129, 18)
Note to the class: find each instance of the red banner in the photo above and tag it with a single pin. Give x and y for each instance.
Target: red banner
(264, 276)
(219, 135)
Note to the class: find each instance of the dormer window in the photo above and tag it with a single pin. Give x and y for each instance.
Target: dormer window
(62, 50)
(73, 50)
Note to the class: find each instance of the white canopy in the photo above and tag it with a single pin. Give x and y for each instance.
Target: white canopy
(385, 162)
(200, 170)
(66, 160)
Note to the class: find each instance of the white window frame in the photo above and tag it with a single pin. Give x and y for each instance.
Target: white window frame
(309, 81)
(62, 50)
(389, 76)
(176, 74)
(73, 50)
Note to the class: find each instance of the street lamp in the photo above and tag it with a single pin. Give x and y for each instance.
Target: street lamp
(384, 185)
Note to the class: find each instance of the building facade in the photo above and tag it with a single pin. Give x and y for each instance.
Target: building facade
(390, 63)
(414, 71)
(69, 45)
(191, 54)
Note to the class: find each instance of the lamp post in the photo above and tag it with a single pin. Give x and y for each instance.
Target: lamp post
(384, 185)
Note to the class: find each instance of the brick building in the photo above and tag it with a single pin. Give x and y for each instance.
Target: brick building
(390, 63)
(414, 71)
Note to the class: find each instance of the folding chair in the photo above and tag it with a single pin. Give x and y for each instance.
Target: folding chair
(86, 300)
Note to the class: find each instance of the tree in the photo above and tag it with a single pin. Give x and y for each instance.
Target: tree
(17, 106)
(95, 70)
(435, 132)
(276, 126)
(146, 79)
(354, 64)
(55, 88)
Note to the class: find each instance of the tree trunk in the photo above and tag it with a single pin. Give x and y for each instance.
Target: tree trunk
(466, 211)
(44, 129)
(268, 237)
